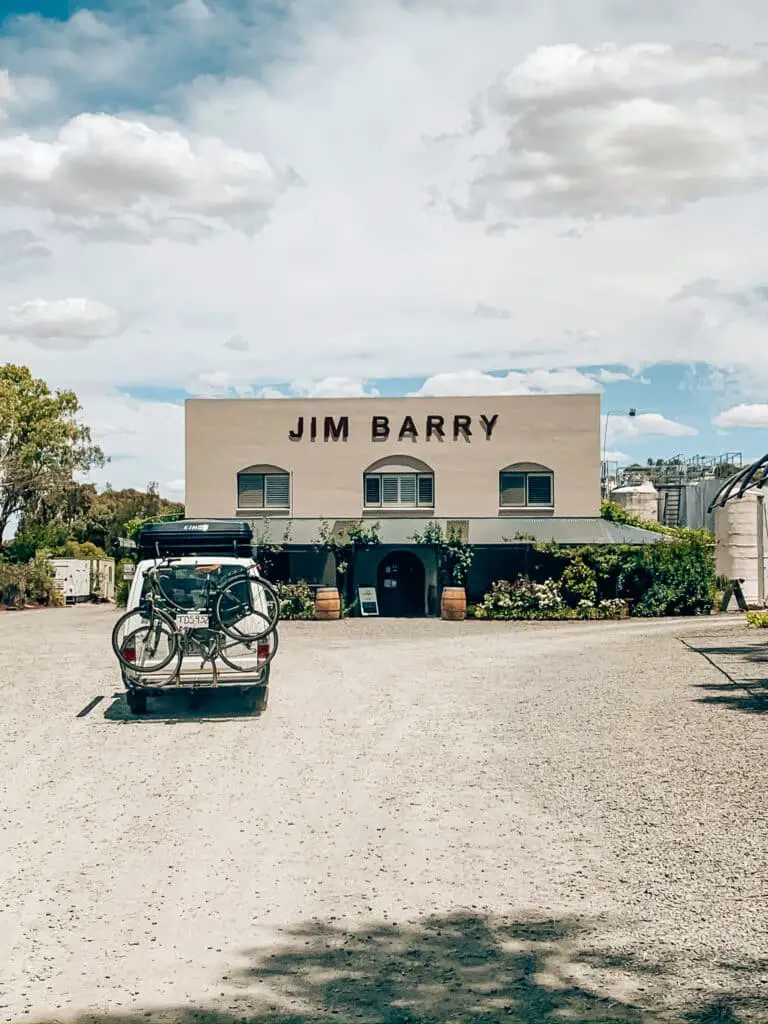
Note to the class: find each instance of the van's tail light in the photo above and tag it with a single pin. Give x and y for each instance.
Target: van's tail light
(129, 649)
(263, 650)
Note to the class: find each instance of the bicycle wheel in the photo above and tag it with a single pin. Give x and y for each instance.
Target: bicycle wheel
(249, 655)
(247, 608)
(145, 643)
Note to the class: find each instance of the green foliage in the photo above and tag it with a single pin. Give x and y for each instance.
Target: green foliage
(758, 620)
(132, 527)
(296, 600)
(578, 583)
(524, 599)
(29, 582)
(43, 445)
(454, 556)
(673, 577)
(614, 513)
(343, 543)
(75, 549)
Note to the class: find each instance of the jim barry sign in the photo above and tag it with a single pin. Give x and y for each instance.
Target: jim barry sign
(383, 428)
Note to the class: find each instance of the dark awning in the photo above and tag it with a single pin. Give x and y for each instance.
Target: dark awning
(480, 532)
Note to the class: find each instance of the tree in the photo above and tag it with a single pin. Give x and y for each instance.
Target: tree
(81, 514)
(43, 446)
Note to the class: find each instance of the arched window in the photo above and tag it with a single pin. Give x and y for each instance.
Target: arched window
(399, 481)
(526, 485)
(261, 487)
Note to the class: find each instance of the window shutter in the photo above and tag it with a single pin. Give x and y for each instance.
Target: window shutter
(408, 489)
(250, 490)
(389, 489)
(540, 489)
(512, 490)
(426, 490)
(372, 490)
(277, 490)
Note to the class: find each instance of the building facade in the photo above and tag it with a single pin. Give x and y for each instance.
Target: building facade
(498, 469)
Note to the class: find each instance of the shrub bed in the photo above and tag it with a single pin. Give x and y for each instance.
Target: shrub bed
(297, 600)
(676, 577)
(28, 583)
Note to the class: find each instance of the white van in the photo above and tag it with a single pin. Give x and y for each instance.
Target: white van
(185, 585)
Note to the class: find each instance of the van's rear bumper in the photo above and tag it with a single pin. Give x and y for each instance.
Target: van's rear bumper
(190, 679)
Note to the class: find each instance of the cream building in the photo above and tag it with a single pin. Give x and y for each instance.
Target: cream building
(500, 469)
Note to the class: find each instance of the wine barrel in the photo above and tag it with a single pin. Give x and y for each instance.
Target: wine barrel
(327, 603)
(453, 604)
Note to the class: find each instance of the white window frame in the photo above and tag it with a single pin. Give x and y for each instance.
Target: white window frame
(416, 477)
(264, 506)
(528, 475)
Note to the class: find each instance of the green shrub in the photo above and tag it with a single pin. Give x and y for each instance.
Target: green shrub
(757, 620)
(579, 583)
(296, 600)
(84, 550)
(673, 577)
(523, 599)
(29, 582)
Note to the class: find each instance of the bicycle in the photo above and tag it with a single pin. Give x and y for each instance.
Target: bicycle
(165, 631)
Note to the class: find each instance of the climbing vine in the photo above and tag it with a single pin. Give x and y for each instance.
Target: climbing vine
(454, 555)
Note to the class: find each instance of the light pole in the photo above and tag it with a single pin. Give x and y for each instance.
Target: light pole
(612, 412)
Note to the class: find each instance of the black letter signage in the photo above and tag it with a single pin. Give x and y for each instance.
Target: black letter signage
(380, 428)
(489, 424)
(408, 429)
(462, 425)
(333, 431)
(435, 427)
(336, 428)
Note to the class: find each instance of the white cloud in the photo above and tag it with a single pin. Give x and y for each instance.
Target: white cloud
(237, 343)
(619, 457)
(647, 424)
(617, 130)
(365, 272)
(532, 382)
(221, 384)
(54, 321)
(105, 173)
(743, 416)
(611, 376)
(331, 387)
(144, 439)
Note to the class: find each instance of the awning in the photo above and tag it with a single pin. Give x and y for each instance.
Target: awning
(480, 532)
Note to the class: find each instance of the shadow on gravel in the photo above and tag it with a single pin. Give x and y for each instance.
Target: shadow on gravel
(750, 696)
(224, 705)
(748, 653)
(458, 969)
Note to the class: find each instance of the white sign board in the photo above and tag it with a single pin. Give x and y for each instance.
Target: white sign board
(369, 602)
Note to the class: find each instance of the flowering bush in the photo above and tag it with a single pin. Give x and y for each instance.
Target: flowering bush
(522, 599)
(296, 600)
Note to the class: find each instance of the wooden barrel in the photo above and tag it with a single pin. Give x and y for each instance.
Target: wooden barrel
(327, 603)
(453, 604)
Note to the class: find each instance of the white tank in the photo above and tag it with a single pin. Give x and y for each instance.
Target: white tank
(641, 500)
(736, 527)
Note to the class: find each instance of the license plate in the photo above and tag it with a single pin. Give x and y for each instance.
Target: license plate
(192, 620)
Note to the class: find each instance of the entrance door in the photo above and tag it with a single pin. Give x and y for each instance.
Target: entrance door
(401, 581)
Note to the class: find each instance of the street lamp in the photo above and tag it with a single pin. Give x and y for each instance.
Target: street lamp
(612, 412)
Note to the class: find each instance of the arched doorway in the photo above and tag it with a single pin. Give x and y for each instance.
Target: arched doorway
(401, 582)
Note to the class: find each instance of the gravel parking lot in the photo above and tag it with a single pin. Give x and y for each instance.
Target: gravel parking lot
(429, 822)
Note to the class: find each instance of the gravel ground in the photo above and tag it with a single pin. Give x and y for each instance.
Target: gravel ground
(428, 822)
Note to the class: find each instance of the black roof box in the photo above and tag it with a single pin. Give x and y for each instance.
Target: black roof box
(196, 537)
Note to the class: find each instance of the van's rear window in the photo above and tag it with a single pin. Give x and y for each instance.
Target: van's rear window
(186, 585)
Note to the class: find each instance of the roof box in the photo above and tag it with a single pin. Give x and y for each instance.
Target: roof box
(232, 537)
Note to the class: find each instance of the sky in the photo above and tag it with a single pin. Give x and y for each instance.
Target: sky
(327, 197)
